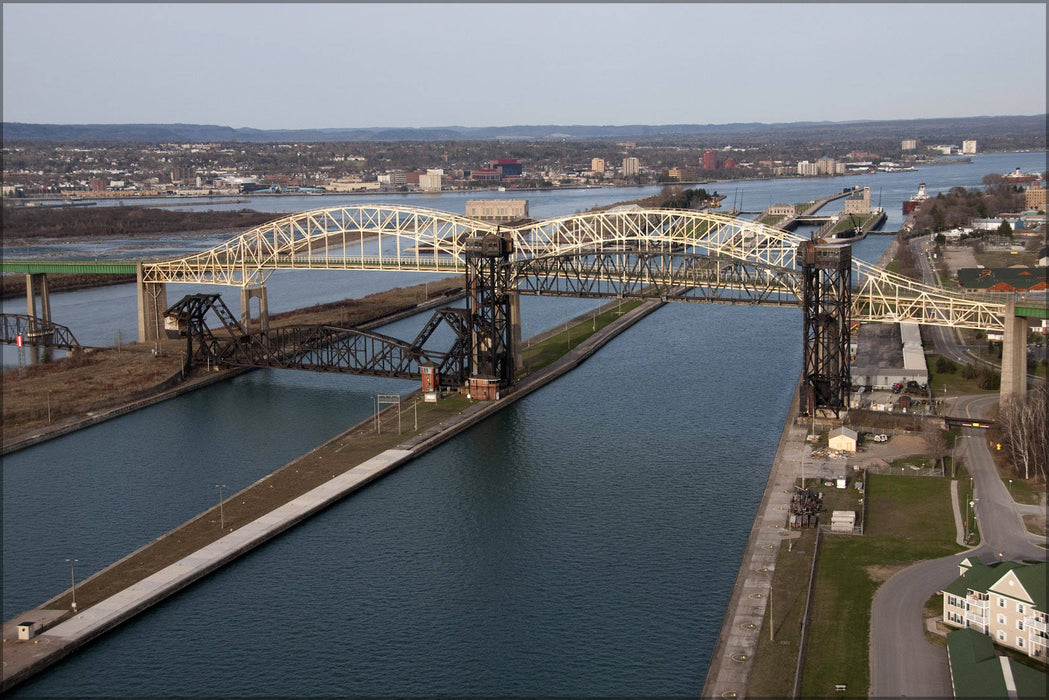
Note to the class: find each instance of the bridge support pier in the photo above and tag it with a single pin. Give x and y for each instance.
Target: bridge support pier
(1014, 354)
(826, 306)
(36, 285)
(246, 295)
(152, 302)
(515, 333)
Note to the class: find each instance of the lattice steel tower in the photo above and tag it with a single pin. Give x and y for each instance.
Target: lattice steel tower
(826, 305)
(488, 287)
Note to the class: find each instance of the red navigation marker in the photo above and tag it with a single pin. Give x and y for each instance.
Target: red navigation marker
(18, 341)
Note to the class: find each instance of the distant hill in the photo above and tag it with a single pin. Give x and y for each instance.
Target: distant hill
(928, 130)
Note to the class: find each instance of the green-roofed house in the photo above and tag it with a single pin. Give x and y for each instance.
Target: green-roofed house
(1004, 600)
(977, 672)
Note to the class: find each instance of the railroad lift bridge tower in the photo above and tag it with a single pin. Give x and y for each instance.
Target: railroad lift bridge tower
(826, 280)
(495, 314)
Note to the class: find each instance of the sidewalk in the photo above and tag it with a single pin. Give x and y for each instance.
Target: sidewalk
(733, 657)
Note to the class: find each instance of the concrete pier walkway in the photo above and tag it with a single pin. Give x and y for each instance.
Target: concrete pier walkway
(733, 656)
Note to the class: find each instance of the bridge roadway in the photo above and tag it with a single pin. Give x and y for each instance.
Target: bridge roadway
(63, 633)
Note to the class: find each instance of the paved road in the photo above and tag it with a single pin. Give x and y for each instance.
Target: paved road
(902, 663)
(944, 338)
(947, 341)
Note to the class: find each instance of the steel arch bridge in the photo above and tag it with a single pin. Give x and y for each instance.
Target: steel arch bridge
(694, 256)
(620, 253)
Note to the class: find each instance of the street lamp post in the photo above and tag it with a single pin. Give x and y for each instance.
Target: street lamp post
(222, 515)
(72, 580)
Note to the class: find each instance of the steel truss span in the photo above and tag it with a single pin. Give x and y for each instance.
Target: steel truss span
(723, 253)
(317, 348)
(35, 331)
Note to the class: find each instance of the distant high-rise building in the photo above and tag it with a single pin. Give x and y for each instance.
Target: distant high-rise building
(497, 209)
(631, 167)
(969, 147)
(508, 167)
(430, 182)
(1035, 196)
(597, 165)
(909, 144)
(710, 160)
(825, 166)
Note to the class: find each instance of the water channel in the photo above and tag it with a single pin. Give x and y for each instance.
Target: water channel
(583, 542)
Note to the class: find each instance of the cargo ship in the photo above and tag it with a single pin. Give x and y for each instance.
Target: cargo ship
(1017, 176)
(912, 203)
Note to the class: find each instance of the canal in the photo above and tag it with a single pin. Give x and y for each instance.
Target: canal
(582, 542)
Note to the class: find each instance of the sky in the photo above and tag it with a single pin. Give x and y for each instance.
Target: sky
(355, 65)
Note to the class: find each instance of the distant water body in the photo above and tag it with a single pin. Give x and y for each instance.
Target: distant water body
(583, 542)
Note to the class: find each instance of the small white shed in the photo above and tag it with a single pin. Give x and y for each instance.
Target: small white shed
(27, 629)
(842, 439)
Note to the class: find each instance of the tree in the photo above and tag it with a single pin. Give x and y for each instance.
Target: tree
(938, 217)
(944, 365)
(1005, 230)
(1023, 420)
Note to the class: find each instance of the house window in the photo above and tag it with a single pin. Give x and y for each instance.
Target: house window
(1001, 619)
(1020, 642)
(1001, 602)
(1020, 608)
(1001, 635)
(1019, 624)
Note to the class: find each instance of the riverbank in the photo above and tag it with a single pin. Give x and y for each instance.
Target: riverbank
(266, 508)
(63, 396)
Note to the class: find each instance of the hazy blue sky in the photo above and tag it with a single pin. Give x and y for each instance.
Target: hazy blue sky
(359, 65)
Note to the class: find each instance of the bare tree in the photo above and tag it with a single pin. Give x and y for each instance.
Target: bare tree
(1023, 423)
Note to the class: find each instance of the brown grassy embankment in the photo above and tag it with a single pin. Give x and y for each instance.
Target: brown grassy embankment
(102, 379)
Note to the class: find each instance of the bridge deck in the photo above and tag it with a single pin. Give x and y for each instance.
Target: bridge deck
(79, 267)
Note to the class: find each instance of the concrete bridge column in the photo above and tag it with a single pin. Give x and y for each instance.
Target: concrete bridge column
(152, 303)
(1014, 354)
(515, 332)
(34, 282)
(246, 295)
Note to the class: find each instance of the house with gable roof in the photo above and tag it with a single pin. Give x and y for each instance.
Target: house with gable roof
(1004, 600)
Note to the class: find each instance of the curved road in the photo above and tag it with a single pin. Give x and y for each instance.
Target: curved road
(902, 662)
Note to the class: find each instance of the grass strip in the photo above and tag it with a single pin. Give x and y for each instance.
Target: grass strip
(909, 520)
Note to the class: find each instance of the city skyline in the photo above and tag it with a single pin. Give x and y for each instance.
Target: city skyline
(279, 66)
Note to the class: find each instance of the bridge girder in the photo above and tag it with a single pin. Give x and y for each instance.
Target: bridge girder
(649, 275)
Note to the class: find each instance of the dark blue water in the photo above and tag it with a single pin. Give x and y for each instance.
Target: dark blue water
(582, 542)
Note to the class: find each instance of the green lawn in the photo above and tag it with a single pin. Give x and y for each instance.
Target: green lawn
(1022, 492)
(909, 519)
(1004, 258)
(955, 382)
(542, 354)
(777, 658)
